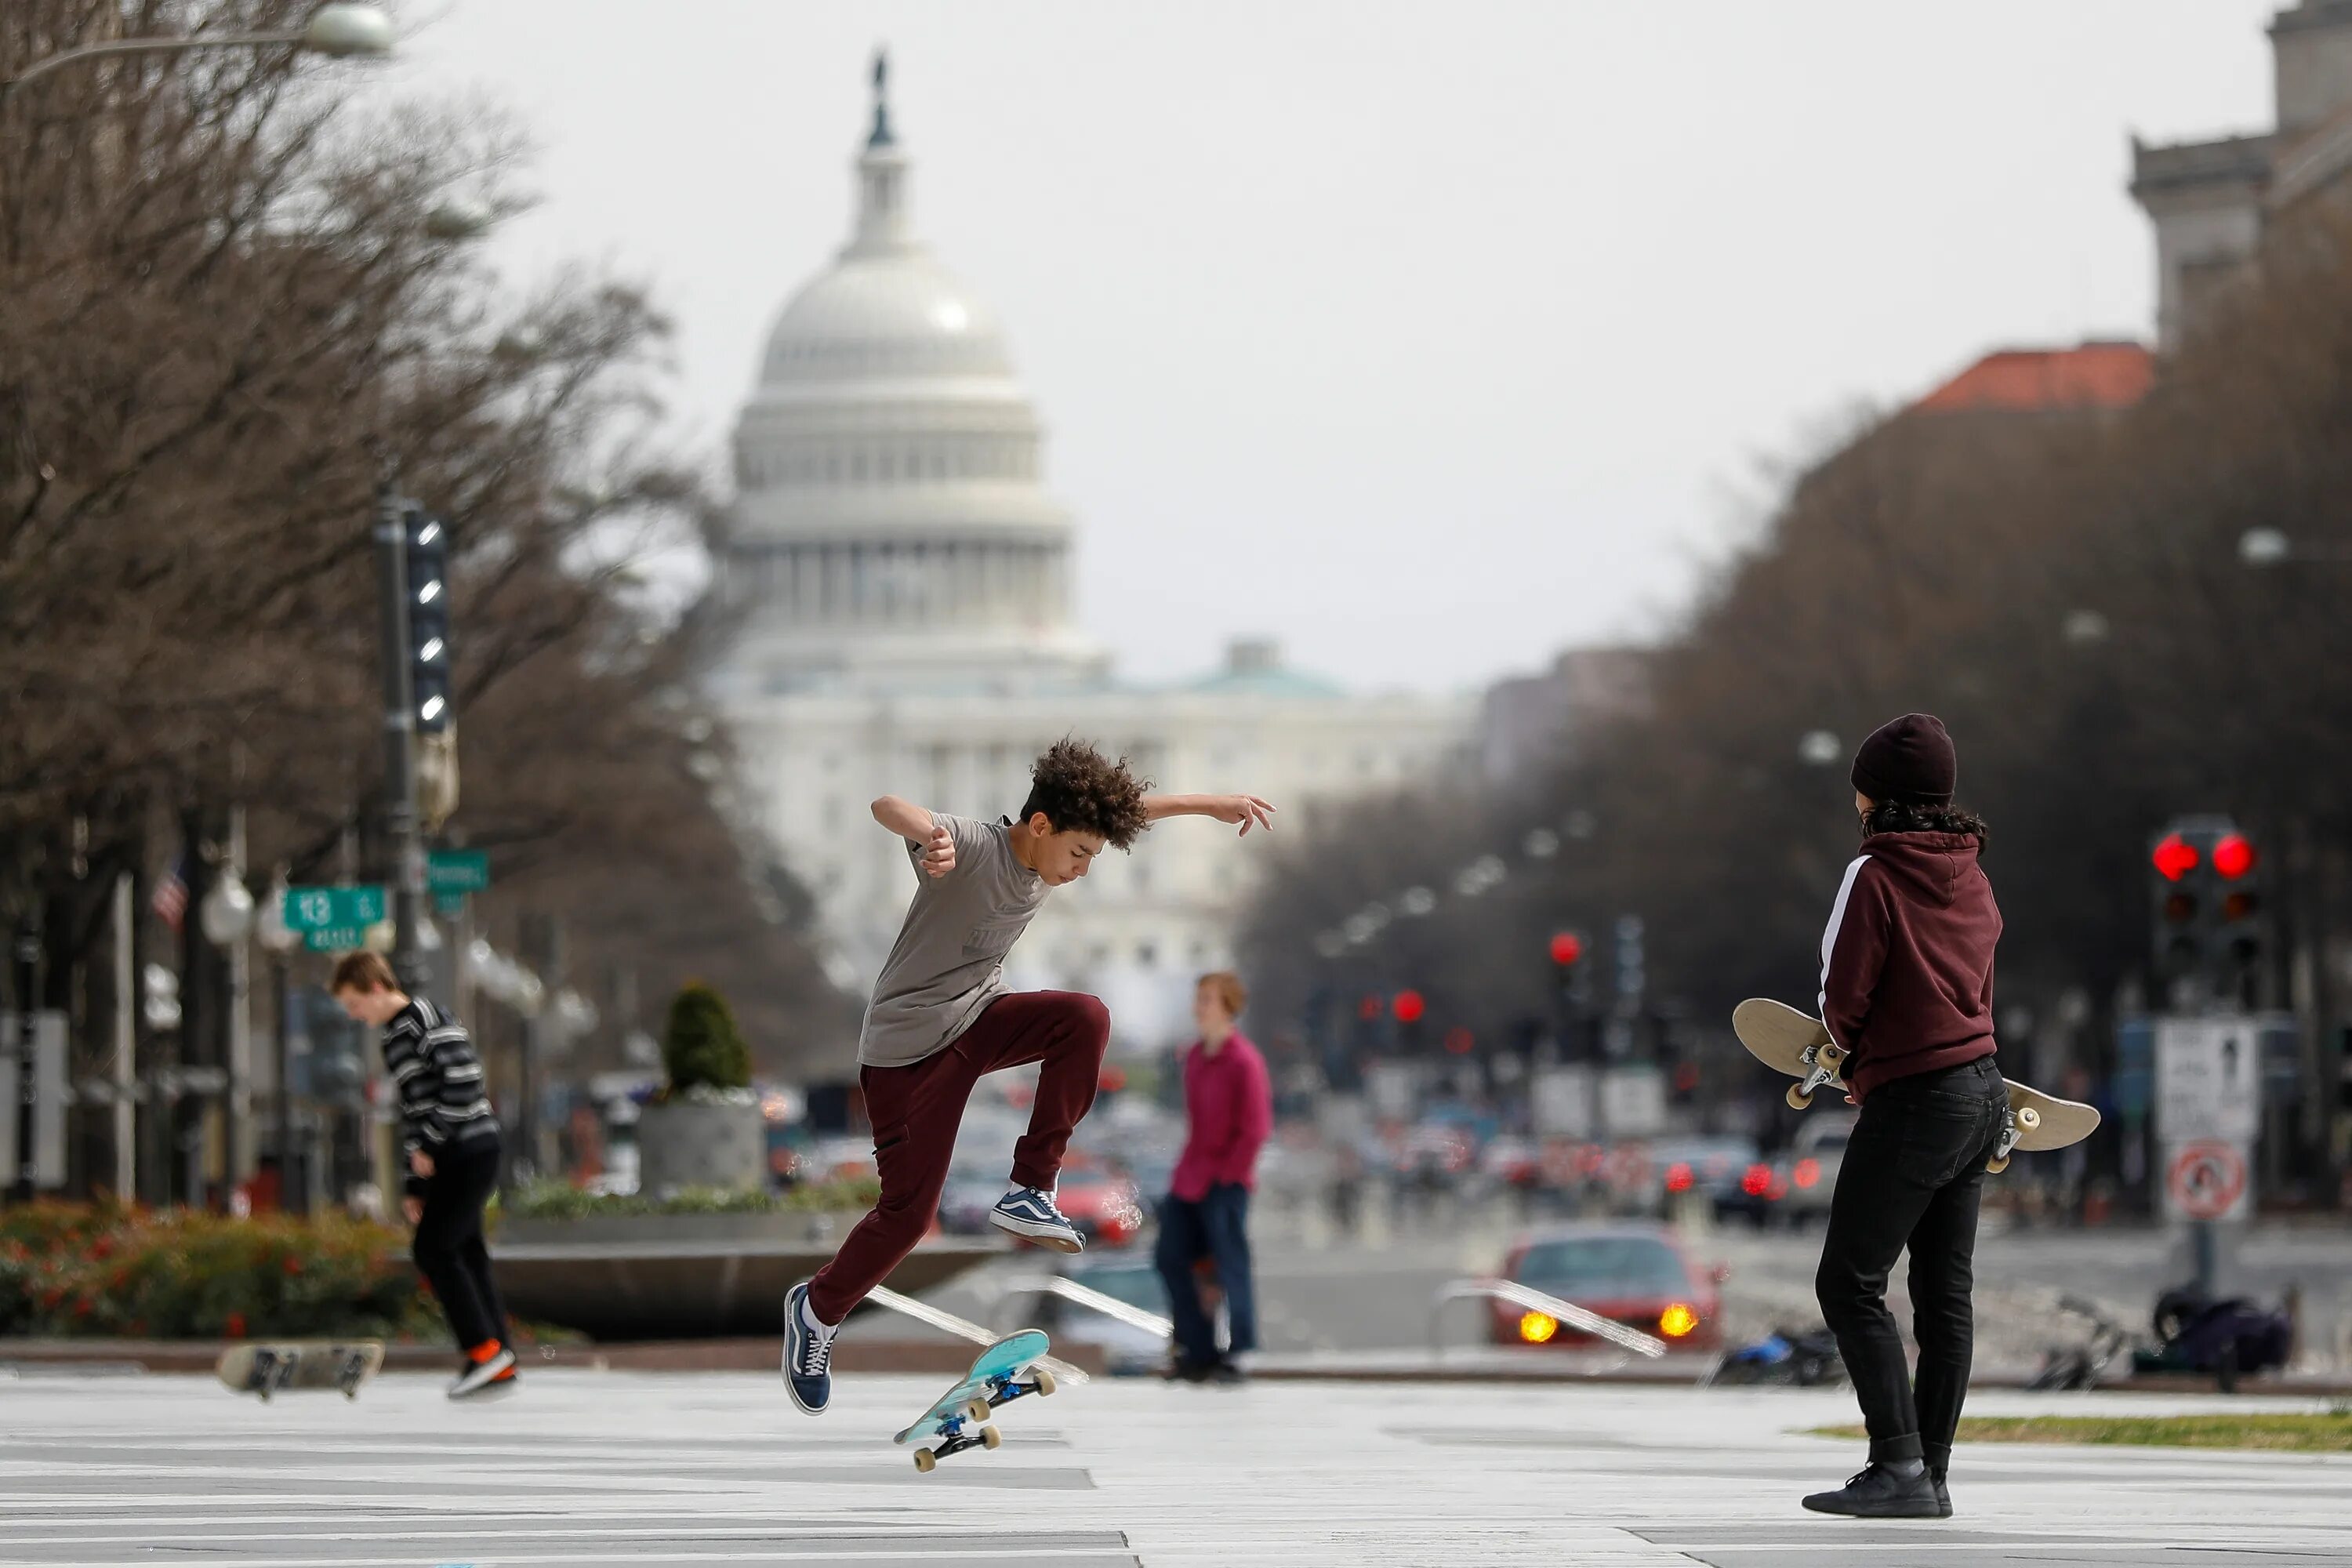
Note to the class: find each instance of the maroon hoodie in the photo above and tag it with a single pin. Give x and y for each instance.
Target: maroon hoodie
(1906, 961)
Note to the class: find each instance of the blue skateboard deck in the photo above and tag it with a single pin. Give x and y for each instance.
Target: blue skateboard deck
(959, 1419)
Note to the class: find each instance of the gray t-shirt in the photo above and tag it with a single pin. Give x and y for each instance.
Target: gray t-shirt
(948, 960)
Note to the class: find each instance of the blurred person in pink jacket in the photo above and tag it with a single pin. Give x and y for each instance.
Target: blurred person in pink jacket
(1229, 1112)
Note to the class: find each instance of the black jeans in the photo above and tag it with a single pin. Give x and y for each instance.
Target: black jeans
(449, 1246)
(1912, 1175)
(1215, 1227)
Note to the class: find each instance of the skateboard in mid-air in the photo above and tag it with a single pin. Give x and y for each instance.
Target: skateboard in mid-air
(1795, 1043)
(959, 1419)
(268, 1369)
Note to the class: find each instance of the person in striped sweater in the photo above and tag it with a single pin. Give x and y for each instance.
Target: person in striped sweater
(450, 1144)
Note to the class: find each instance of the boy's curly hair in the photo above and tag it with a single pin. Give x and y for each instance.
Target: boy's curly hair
(1082, 791)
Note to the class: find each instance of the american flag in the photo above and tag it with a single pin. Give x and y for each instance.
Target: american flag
(171, 899)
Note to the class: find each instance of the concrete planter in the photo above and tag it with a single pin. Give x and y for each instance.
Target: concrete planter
(786, 1227)
(675, 1289)
(683, 1144)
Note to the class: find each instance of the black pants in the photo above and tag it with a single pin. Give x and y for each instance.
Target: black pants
(1912, 1175)
(1216, 1227)
(449, 1246)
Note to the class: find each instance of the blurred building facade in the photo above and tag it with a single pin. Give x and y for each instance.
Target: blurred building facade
(904, 586)
(2211, 200)
(1529, 722)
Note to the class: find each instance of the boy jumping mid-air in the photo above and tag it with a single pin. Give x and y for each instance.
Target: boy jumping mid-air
(941, 1016)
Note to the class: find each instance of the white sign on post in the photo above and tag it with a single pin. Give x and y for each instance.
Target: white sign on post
(1633, 1102)
(2208, 1111)
(1562, 1102)
(2209, 1075)
(50, 1084)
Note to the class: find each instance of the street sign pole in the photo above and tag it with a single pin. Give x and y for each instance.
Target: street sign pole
(408, 959)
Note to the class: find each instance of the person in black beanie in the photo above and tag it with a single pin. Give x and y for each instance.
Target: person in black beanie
(1907, 989)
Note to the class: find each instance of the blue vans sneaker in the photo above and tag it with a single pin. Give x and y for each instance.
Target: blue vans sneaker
(808, 1352)
(1030, 1214)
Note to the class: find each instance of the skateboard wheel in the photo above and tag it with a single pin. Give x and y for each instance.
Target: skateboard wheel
(990, 1437)
(1044, 1381)
(1997, 1164)
(977, 1411)
(2028, 1118)
(1797, 1097)
(926, 1461)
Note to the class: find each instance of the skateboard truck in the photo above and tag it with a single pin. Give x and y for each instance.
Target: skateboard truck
(2016, 1122)
(971, 1427)
(1820, 1063)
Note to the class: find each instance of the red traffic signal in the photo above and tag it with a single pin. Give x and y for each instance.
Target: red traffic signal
(2175, 857)
(1369, 1008)
(1566, 948)
(1408, 1007)
(1459, 1041)
(2233, 857)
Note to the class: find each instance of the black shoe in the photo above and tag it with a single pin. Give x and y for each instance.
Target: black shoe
(1879, 1493)
(1223, 1371)
(1182, 1371)
(1943, 1496)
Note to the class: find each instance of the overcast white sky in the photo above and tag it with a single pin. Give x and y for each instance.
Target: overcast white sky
(1428, 338)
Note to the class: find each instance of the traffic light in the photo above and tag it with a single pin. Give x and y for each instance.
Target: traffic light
(2207, 899)
(2238, 933)
(428, 622)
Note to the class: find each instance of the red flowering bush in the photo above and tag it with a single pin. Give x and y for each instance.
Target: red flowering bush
(74, 1270)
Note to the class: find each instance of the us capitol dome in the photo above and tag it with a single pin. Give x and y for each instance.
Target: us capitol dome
(892, 522)
(902, 594)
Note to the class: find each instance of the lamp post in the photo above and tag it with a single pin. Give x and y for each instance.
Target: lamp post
(339, 32)
(279, 940)
(28, 978)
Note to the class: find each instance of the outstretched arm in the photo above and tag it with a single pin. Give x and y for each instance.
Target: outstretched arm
(917, 825)
(1246, 809)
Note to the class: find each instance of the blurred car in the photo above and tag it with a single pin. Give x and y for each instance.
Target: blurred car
(1805, 1175)
(1513, 1163)
(1722, 1170)
(1102, 1202)
(1637, 1275)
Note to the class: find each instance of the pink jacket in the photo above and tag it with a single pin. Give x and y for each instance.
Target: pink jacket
(1229, 1105)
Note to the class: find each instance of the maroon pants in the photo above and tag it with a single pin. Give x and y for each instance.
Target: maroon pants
(917, 1108)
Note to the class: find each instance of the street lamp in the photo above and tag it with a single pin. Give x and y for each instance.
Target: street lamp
(2265, 547)
(1820, 748)
(339, 32)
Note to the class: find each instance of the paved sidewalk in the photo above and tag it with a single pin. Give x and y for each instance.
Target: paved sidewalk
(585, 1468)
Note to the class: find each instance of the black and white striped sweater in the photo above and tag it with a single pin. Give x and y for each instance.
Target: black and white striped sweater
(443, 1099)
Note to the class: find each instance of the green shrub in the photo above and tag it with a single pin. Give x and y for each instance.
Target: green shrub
(559, 1200)
(183, 1275)
(700, 1044)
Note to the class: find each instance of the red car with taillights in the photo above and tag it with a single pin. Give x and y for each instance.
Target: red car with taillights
(1637, 1275)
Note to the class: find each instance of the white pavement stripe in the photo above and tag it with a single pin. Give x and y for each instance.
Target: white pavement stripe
(602, 1469)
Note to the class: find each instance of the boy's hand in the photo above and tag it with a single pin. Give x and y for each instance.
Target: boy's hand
(939, 856)
(414, 1208)
(422, 1163)
(1246, 809)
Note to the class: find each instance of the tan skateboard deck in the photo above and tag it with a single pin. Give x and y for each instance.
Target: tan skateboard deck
(1797, 1043)
(268, 1369)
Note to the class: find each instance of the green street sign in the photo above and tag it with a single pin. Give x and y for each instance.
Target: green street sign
(449, 906)
(457, 870)
(313, 910)
(335, 939)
